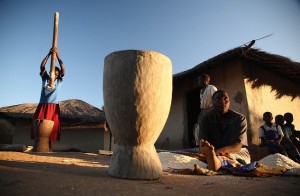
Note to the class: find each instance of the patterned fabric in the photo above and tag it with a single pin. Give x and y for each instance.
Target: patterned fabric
(48, 111)
(236, 159)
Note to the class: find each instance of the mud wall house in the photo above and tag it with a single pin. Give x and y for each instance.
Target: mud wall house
(256, 82)
(82, 125)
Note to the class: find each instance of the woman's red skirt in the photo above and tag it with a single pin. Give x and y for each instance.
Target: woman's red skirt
(48, 111)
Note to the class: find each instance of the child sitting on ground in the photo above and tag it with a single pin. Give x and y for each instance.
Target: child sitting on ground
(286, 142)
(271, 135)
(289, 130)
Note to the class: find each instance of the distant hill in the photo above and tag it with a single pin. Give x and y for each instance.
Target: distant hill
(73, 112)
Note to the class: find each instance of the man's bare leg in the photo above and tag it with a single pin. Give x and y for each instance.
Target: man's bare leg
(208, 151)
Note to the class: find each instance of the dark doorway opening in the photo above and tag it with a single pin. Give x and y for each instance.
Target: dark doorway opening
(193, 109)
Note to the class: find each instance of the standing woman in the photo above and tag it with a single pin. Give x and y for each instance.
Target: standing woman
(48, 107)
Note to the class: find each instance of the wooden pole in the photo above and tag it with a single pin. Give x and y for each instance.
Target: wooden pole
(54, 45)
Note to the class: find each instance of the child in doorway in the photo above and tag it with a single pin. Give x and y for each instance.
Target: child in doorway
(271, 135)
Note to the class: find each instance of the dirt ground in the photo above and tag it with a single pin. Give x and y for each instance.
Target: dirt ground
(76, 173)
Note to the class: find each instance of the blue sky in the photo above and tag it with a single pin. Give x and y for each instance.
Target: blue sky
(187, 31)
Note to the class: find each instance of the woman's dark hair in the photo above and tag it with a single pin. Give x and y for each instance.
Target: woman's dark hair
(57, 69)
(59, 75)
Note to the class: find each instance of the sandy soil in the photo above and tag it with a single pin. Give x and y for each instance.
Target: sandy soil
(75, 173)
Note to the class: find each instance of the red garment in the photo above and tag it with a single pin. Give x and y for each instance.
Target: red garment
(48, 111)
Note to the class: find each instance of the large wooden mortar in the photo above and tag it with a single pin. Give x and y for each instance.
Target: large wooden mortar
(42, 131)
(137, 89)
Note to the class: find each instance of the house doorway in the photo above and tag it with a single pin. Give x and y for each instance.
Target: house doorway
(193, 109)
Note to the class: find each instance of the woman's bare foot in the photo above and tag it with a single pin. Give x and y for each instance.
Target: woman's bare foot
(208, 151)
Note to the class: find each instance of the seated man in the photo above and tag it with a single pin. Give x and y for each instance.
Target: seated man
(223, 134)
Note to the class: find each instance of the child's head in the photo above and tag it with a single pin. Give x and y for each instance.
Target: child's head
(56, 72)
(203, 80)
(288, 117)
(279, 120)
(268, 117)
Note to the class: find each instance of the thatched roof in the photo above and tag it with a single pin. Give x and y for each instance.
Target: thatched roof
(73, 112)
(276, 63)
